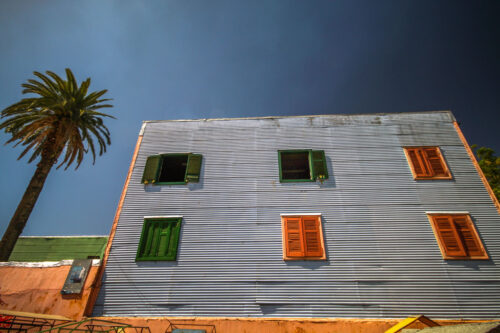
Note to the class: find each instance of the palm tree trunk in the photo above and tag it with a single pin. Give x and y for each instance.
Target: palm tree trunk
(24, 209)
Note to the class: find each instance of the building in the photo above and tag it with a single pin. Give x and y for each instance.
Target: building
(332, 216)
(39, 270)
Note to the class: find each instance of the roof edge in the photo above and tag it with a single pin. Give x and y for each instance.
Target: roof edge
(302, 116)
(45, 264)
(82, 236)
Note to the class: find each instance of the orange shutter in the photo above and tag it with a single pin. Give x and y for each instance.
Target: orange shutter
(427, 163)
(312, 237)
(293, 237)
(470, 241)
(448, 236)
(427, 172)
(416, 162)
(435, 161)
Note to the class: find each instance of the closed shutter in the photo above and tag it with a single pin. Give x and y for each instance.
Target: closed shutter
(468, 236)
(427, 172)
(153, 251)
(174, 240)
(159, 239)
(165, 232)
(146, 240)
(193, 168)
(427, 163)
(416, 162)
(448, 236)
(435, 161)
(293, 237)
(152, 169)
(312, 237)
(320, 170)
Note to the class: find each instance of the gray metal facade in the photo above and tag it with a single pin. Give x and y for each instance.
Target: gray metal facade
(383, 259)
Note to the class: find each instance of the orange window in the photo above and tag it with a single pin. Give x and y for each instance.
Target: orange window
(427, 163)
(457, 237)
(302, 237)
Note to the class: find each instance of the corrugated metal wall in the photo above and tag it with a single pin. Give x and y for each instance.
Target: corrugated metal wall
(383, 258)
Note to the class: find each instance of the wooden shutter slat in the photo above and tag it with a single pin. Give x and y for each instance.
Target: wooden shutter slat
(151, 169)
(470, 241)
(174, 240)
(449, 236)
(312, 237)
(426, 171)
(193, 168)
(320, 170)
(417, 167)
(435, 161)
(293, 237)
(156, 239)
(166, 228)
(149, 239)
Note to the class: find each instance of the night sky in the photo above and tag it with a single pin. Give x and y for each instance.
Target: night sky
(205, 59)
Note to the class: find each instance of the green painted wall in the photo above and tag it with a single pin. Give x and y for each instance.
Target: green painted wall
(58, 248)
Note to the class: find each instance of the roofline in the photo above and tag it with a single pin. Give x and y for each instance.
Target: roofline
(303, 116)
(45, 264)
(83, 236)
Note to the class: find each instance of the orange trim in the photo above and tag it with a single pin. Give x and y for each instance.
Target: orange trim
(478, 168)
(98, 279)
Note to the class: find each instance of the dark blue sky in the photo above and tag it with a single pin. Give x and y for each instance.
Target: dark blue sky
(203, 59)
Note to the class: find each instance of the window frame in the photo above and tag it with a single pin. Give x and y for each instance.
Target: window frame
(431, 216)
(144, 234)
(319, 219)
(158, 171)
(416, 176)
(312, 174)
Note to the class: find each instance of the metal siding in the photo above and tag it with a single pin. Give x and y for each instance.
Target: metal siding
(46, 248)
(382, 257)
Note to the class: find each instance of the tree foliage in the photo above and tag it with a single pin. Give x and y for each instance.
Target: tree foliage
(62, 119)
(62, 111)
(490, 164)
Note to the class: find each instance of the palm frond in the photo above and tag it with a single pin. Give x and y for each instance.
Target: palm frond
(62, 116)
(48, 82)
(72, 84)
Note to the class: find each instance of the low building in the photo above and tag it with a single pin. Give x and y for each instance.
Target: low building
(37, 276)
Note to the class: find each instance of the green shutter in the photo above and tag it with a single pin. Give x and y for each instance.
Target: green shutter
(319, 167)
(165, 231)
(156, 241)
(174, 240)
(193, 168)
(159, 239)
(151, 170)
(146, 240)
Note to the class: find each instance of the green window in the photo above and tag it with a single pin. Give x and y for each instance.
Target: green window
(172, 169)
(159, 239)
(302, 165)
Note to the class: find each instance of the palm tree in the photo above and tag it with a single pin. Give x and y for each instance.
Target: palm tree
(61, 121)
